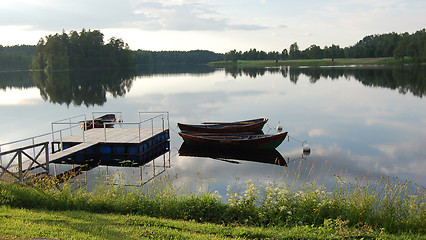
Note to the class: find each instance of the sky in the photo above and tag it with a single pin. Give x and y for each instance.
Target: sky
(215, 25)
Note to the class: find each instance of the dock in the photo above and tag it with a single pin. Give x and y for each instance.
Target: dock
(135, 142)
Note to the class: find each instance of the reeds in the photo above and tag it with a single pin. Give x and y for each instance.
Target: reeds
(384, 205)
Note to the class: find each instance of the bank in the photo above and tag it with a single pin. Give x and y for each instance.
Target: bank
(46, 209)
(312, 62)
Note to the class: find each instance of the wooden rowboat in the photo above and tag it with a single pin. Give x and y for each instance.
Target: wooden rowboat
(230, 140)
(254, 125)
(99, 122)
(269, 156)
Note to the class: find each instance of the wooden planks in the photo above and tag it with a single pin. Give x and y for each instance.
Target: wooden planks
(68, 151)
(113, 135)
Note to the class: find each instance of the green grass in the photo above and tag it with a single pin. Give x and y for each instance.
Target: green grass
(308, 62)
(384, 209)
(41, 223)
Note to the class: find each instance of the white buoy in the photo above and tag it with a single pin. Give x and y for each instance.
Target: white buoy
(279, 128)
(306, 148)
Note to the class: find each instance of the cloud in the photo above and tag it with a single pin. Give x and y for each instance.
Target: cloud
(178, 15)
(317, 132)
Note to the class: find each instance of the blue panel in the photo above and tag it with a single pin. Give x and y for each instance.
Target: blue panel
(133, 150)
(105, 150)
(120, 149)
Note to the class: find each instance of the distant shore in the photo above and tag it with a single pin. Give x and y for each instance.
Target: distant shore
(310, 62)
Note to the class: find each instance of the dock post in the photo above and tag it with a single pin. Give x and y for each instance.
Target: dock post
(104, 132)
(139, 126)
(60, 137)
(21, 175)
(33, 148)
(162, 121)
(46, 150)
(152, 127)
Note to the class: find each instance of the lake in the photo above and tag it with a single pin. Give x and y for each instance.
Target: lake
(360, 122)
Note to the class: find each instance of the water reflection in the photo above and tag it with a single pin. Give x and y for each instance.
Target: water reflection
(148, 70)
(404, 78)
(83, 87)
(358, 121)
(83, 164)
(15, 79)
(270, 156)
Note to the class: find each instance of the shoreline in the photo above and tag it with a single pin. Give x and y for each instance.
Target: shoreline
(312, 62)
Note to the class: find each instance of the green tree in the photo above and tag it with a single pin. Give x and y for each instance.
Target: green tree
(55, 53)
(314, 52)
(284, 54)
(294, 51)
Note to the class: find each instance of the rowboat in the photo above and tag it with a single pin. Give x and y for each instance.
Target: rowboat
(269, 156)
(99, 122)
(229, 140)
(254, 125)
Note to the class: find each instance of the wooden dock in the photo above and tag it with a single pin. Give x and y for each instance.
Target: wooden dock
(102, 145)
(113, 135)
(110, 143)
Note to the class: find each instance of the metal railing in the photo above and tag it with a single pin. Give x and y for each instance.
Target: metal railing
(22, 167)
(157, 120)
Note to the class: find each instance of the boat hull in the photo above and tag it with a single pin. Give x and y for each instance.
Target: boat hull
(254, 125)
(99, 122)
(254, 141)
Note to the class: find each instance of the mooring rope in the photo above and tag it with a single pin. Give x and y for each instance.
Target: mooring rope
(302, 142)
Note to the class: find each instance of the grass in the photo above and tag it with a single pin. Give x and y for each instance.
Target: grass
(385, 209)
(308, 62)
(42, 223)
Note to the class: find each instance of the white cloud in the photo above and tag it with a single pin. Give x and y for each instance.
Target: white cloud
(239, 24)
(317, 132)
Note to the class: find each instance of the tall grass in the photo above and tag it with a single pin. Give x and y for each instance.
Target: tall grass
(383, 205)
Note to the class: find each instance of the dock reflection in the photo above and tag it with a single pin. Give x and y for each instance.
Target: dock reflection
(83, 164)
(269, 156)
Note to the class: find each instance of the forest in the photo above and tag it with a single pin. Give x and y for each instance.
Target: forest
(177, 57)
(84, 50)
(16, 57)
(87, 50)
(394, 45)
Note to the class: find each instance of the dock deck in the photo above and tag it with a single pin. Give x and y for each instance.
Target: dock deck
(134, 143)
(113, 135)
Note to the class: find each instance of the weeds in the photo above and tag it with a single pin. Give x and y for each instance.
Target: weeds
(351, 209)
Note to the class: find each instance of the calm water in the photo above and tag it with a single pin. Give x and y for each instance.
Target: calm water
(359, 122)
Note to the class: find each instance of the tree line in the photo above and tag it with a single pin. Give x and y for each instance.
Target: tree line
(18, 56)
(394, 45)
(144, 57)
(84, 50)
(87, 50)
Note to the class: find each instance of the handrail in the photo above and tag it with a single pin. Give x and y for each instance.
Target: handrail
(34, 137)
(73, 124)
(161, 114)
(59, 121)
(101, 112)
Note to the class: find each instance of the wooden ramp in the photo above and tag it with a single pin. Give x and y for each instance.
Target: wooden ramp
(69, 151)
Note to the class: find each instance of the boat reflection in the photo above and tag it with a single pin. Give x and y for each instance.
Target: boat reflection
(270, 156)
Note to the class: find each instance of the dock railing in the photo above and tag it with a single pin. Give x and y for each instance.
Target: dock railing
(147, 120)
(67, 127)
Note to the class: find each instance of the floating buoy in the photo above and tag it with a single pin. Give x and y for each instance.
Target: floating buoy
(279, 128)
(306, 148)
